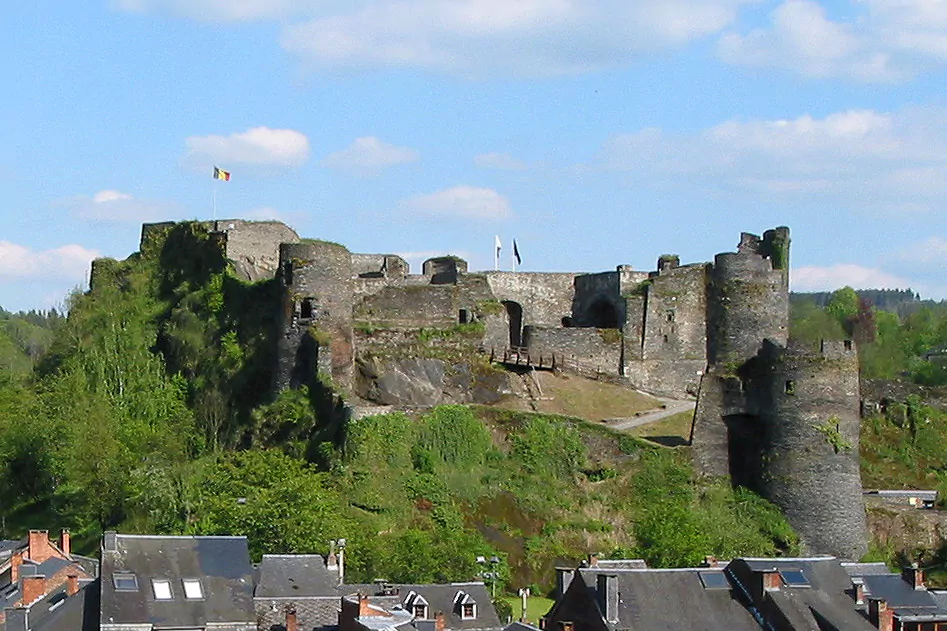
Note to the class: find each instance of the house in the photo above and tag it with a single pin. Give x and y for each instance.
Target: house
(176, 582)
(909, 497)
(306, 592)
(297, 590)
(37, 576)
(445, 607)
(902, 602)
(781, 594)
(599, 598)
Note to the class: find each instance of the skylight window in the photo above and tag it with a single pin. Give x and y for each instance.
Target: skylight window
(162, 587)
(125, 582)
(794, 578)
(713, 580)
(192, 589)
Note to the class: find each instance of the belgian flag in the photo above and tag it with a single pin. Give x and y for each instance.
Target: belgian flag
(220, 174)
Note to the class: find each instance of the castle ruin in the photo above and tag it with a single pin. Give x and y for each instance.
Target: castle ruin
(772, 415)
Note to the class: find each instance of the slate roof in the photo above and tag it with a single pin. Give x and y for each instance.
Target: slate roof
(312, 614)
(858, 570)
(825, 602)
(671, 599)
(294, 575)
(222, 564)
(57, 612)
(439, 598)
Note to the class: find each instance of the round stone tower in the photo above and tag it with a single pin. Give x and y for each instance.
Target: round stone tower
(749, 297)
(316, 315)
(810, 466)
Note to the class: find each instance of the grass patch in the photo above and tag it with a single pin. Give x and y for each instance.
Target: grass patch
(536, 607)
(675, 425)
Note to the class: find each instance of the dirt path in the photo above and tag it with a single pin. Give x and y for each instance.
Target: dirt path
(671, 407)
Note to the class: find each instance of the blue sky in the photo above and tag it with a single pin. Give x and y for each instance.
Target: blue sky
(595, 132)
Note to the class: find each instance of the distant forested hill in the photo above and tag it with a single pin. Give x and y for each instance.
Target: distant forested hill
(900, 301)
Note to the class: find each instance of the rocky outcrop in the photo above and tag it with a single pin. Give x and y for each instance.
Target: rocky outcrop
(422, 382)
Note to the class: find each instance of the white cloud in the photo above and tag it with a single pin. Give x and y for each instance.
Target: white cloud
(110, 205)
(259, 146)
(66, 263)
(469, 37)
(814, 278)
(883, 41)
(485, 37)
(462, 201)
(932, 250)
(866, 158)
(369, 154)
(499, 161)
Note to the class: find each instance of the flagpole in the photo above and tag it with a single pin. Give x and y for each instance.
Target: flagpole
(215, 200)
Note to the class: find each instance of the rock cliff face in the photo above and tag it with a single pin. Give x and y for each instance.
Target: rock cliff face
(905, 528)
(420, 382)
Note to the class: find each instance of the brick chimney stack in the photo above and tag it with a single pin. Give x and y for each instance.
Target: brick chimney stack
(15, 562)
(291, 622)
(38, 546)
(363, 608)
(440, 623)
(34, 588)
(771, 580)
(710, 561)
(880, 615)
(72, 584)
(592, 560)
(913, 576)
(65, 542)
(859, 593)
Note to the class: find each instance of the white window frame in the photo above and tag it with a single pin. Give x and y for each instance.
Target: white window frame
(189, 584)
(164, 583)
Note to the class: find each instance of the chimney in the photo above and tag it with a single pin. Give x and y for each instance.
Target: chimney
(709, 561)
(363, 608)
(16, 619)
(440, 623)
(291, 623)
(592, 560)
(771, 580)
(880, 615)
(39, 546)
(15, 562)
(72, 584)
(608, 596)
(913, 576)
(65, 542)
(34, 587)
(859, 593)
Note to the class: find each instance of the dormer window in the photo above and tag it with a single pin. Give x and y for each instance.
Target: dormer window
(193, 589)
(465, 606)
(125, 582)
(417, 605)
(162, 588)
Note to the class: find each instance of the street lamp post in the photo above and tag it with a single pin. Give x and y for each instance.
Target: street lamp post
(490, 573)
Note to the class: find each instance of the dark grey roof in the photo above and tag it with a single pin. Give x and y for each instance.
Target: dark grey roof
(857, 570)
(672, 599)
(294, 575)
(825, 603)
(440, 598)
(621, 564)
(57, 612)
(897, 593)
(222, 564)
(312, 614)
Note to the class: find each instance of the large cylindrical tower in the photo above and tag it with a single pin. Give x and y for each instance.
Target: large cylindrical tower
(749, 303)
(316, 315)
(810, 466)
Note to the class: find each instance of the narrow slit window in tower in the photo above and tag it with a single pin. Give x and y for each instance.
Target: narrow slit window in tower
(848, 345)
(790, 387)
(305, 310)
